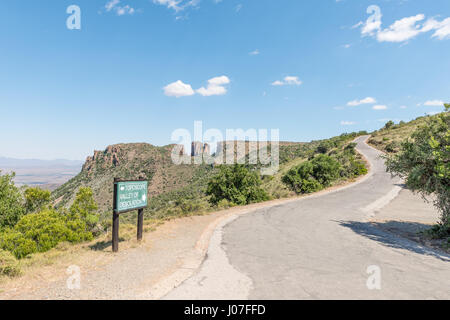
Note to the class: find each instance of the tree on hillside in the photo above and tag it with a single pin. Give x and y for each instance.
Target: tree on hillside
(85, 207)
(11, 202)
(389, 124)
(236, 184)
(424, 162)
(36, 199)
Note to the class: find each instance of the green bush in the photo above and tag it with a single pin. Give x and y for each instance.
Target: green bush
(423, 161)
(224, 204)
(40, 232)
(85, 208)
(36, 199)
(9, 266)
(326, 169)
(17, 244)
(11, 202)
(357, 168)
(325, 146)
(389, 124)
(350, 148)
(301, 179)
(236, 184)
(313, 175)
(392, 147)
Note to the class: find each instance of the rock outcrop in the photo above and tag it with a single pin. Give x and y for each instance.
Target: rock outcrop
(103, 159)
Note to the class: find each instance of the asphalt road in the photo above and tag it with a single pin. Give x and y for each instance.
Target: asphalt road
(320, 247)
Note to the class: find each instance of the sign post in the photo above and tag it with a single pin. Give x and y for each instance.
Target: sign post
(128, 195)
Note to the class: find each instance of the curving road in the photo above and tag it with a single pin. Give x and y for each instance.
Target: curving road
(320, 247)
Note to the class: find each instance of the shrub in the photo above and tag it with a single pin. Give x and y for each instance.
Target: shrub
(423, 161)
(224, 204)
(40, 232)
(301, 179)
(357, 168)
(392, 147)
(350, 148)
(325, 146)
(389, 124)
(313, 175)
(9, 266)
(236, 184)
(11, 202)
(17, 244)
(36, 199)
(326, 169)
(85, 207)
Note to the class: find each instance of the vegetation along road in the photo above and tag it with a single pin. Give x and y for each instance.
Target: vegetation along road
(320, 247)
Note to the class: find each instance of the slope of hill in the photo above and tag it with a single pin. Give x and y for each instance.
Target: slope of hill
(389, 138)
(174, 189)
(131, 161)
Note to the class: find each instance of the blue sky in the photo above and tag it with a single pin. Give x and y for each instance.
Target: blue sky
(139, 69)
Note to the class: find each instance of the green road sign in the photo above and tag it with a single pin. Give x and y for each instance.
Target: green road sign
(131, 195)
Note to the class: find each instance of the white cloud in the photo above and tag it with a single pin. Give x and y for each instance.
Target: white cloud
(178, 89)
(403, 107)
(443, 30)
(347, 123)
(254, 53)
(434, 103)
(124, 10)
(379, 107)
(289, 80)
(368, 100)
(111, 4)
(277, 83)
(215, 87)
(120, 10)
(403, 29)
(177, 5)
(359, 24)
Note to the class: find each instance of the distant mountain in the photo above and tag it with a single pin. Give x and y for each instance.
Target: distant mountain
(32, 163)
(47, 174)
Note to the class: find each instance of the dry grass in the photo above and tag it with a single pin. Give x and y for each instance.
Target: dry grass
(389, 140)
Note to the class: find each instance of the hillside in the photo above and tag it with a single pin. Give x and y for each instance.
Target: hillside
(131, 161)
(174, 189)
(389, 138)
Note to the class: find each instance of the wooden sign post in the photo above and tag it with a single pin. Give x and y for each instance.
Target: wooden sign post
(129, 195)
